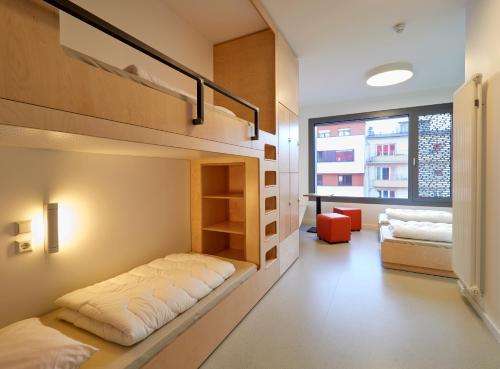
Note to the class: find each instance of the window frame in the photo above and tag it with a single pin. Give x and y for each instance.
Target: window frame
(412, 113)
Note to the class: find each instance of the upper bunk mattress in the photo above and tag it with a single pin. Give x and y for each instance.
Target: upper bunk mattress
(433, 216)
(387, 237)
(115, 356)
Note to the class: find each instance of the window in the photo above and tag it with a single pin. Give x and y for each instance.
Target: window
(383, 173)
(387, 194)
(323, 133)
(335, 156)
(345, 180)
(401, 156)
(343, 132)
(386, 149)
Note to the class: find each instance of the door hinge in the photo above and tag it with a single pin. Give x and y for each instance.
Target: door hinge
(289, 140)
(476, 103)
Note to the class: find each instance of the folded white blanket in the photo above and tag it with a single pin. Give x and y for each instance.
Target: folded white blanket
(440, 232)
(128, 308)
(144, 74)
(434, 216)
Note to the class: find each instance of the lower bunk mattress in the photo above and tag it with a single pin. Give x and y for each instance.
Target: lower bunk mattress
(420, 256)
(115, 356)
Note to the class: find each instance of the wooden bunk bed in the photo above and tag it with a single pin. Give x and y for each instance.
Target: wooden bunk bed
(44, 90)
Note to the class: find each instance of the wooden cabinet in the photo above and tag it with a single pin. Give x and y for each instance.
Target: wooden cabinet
(285, 209)
(288, 76)
(283, 137)
(294, 142)
(294, 202)
(288, 153)
(246, 66)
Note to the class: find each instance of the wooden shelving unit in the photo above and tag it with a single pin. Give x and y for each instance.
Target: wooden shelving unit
(225, 207)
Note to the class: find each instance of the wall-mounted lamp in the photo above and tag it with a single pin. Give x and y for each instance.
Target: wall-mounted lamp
(51, 216)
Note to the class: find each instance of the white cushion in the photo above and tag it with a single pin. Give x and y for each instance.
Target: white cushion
(28, 344)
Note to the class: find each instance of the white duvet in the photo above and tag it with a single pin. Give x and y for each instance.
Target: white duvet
(128, 308)
(440, 232)
(434, 216)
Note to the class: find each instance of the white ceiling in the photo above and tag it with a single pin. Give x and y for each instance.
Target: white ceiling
(219, 20)
(338, 41)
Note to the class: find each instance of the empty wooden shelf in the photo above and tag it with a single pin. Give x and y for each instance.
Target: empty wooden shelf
(228, 196)
(227, 227)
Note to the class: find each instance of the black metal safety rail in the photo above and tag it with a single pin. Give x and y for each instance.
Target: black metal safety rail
(96, 22)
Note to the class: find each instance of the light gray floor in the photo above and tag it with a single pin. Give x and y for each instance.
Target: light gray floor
(337, 308)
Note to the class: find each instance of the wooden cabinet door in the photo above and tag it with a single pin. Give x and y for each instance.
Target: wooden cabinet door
(294, 142)
(284, 205)
(294, 202)
(283, 138)
(288, 76)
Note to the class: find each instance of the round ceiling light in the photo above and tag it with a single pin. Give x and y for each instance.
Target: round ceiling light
(390, 74)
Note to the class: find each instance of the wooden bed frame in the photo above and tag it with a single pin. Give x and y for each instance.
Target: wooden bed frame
(44, 89)
(415, 256)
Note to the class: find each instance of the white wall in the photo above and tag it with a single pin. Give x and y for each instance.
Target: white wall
(116, 212)
(152, 22)
(370, 212)
(483, 56)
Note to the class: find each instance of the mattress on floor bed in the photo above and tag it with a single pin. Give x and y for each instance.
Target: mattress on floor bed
(387, 236)
(420, 215)
(114, 356)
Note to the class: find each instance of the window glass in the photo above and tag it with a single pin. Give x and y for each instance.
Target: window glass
(367, 156)
(434, 156)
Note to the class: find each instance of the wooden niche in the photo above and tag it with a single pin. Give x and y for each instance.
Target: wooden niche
(225, 210)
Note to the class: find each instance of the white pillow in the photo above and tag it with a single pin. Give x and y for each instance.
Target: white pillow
(28, 344)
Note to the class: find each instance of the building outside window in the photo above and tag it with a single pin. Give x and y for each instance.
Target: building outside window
(358, 157)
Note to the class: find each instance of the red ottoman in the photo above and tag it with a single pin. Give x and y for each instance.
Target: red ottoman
(354, 214)
(333, 227)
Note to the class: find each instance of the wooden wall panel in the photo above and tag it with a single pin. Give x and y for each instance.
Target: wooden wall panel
(247, 67)
(288, 76)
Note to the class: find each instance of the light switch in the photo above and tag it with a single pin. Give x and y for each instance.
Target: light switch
(24, 227)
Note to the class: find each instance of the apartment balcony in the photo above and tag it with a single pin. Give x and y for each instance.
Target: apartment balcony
(390, 183)
(397, 133)
(388, 159)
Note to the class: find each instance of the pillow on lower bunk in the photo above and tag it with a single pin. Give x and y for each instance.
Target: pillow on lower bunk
(28, 344)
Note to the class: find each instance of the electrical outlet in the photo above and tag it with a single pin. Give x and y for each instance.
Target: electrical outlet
(23, 246)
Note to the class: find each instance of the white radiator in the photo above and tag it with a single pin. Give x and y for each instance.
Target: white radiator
(468, 147)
